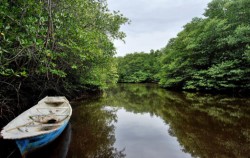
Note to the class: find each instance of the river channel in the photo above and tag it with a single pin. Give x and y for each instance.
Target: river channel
(145, 121)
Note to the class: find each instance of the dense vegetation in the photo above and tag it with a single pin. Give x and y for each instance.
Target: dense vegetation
(211, 53)
(66, 47)
(61, 47)
(139, 67)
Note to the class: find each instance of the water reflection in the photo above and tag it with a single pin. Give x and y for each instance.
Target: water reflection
(142, 120)
(145, 136)
(204, 125)
(93, 132)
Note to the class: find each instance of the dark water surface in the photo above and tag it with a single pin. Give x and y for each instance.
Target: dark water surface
(145, 121)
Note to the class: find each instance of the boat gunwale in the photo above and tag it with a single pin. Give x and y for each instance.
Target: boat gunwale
(4, 132)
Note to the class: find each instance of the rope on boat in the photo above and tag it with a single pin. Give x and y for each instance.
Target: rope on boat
(11, 153)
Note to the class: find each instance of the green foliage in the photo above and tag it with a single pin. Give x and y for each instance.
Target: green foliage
(211, 53)
(139, 67)
(60, 45)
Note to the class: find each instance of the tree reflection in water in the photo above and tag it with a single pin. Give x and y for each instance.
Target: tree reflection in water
(205, 125)
(93, 133)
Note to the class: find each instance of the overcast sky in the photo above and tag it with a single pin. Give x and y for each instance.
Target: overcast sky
(154, 22)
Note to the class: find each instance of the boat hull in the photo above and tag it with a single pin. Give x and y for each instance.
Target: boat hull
(29, 144)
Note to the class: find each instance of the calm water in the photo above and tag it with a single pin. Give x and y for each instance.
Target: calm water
(144, 121)
(146, 136)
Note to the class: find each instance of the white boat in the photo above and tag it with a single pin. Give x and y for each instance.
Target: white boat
(40, 124)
